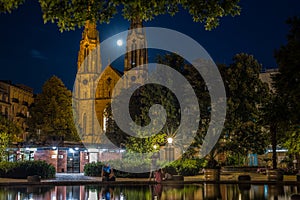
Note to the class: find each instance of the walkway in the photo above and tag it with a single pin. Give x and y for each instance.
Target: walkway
(79, 178)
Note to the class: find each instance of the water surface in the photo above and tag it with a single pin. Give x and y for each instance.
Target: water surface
(152, 192)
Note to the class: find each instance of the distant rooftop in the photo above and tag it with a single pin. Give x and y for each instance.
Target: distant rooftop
(21, 86)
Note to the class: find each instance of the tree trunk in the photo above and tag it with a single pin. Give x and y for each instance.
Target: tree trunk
(274, 145)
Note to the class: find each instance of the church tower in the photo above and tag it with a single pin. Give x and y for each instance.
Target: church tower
(89, 68)
(94, 84)
(137, 54)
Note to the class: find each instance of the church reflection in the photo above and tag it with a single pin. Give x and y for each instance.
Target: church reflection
(151, 192)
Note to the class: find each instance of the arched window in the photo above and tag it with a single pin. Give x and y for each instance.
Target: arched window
(84, 125)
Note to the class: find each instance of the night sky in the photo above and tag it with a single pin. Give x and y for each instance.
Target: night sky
(31, 51)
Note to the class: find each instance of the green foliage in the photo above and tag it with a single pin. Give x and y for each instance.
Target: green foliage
(113, 132)
(93, 169)
(287, 81)
(9, 132)
(70, 14)
(287, 84)
(6, 167)
(23, 169)
(4, 142)
(52, 112)
(185, 167)
(9, 5)
(11, 129)
(144, 145)
(246, 94)
(292, 140)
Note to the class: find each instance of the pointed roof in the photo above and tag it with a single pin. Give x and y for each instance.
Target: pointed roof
(90, 31)
(119, 73)
(136, 23)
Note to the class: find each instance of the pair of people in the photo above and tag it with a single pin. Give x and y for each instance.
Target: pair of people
(107, 173)
(160, 175)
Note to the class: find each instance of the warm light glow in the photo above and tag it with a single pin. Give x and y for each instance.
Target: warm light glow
(170, 140)
(155, 146)
(119, 42)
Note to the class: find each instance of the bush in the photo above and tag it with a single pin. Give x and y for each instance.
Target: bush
(26, 168)
(171, 169)
(5, 168)
(93, 169)
(185, 167)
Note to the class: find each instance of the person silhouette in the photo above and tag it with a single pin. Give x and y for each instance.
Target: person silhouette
(107, 173)
(158, 176)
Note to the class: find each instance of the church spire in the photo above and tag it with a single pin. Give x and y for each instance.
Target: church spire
(136, 39)
(90, 43)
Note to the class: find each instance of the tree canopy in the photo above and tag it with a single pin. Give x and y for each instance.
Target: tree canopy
(71, 14)
(287, 84)
(9, 133)
(52, 112)
(246, 93)
(287, 81)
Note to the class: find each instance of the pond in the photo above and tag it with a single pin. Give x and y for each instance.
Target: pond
(151, 192)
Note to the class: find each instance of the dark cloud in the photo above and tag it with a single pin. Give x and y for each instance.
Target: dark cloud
(37, 54)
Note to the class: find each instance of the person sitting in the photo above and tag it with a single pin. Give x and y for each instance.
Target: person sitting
(107, 173)
(167, 176)
(158, 176)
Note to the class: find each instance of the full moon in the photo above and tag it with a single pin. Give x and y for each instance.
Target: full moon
(119, 42)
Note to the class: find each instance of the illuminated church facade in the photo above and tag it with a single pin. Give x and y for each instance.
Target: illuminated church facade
(96, 82)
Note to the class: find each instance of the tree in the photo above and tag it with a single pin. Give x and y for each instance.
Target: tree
(245, 96)
(287, 81)
(70, 14)
(9, 133)
(287, 84)
(52, 112)
(4, 142)
(113, 132)
(275, 118)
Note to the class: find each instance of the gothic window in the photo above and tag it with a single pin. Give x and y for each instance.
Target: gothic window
(86, 50)
(133, 52)
(84, 126)
(108, 81)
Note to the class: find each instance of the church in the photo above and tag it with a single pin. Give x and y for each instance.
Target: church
(94, 85)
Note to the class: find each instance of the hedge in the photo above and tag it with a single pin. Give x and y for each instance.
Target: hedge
(185, 167)
(20, 170)
(94, 169)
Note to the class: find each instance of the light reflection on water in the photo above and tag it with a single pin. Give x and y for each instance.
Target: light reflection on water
(152, 192)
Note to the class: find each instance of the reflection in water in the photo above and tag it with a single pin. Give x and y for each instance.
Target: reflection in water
(151, 192)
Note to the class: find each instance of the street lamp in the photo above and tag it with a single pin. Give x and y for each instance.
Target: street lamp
(170, 140)
(170, 150)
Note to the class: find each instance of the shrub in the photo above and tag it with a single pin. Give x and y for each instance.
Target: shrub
(185, 167)
(93, 169)
(26, 168)
(5, 167)
(189, 167)
(171, 169)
